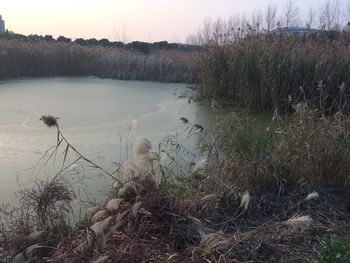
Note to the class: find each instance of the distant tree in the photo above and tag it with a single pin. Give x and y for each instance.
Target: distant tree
(49, 38)
(117, 44)
(310, 18)
(291, 14)
(270, 17)
(160, 45)
(256, 21)
(104, 42)
(63, 39)
(35, 38)
(80, 41)
(92, 42)
(139, 46)
(331, 15)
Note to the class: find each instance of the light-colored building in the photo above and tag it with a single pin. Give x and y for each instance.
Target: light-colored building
(2, 25)
(298, 30)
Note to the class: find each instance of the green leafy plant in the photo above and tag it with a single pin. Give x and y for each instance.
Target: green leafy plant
(333, 251)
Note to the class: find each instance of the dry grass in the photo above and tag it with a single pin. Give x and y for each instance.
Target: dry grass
(261, 71)
(253, 196)
(37, 59)
(150, 226)
(45, 207)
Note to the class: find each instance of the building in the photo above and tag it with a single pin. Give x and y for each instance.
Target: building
(297, 30)
(2, 25)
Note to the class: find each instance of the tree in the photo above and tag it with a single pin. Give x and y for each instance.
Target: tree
(48, 38)
(257, 19)
(310, 18)
(104, 42)
(331, 15)
(270, 17)
(291, 13)
(63, 39)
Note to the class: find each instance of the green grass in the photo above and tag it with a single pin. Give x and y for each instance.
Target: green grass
(333, 251)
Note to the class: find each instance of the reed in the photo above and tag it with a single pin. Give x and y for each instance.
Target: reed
(266, 71)
(45, 59)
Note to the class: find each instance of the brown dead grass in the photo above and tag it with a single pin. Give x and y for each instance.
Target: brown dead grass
(150, 226)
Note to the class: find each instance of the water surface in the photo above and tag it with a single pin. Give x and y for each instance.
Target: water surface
(93, 114)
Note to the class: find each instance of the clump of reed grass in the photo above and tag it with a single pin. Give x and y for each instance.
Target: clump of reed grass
(43, 210)
(262, 71)
(51, 121)
(50, 200)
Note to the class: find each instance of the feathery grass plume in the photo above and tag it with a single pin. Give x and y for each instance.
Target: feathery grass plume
(200, 165)
(209, 197)
(299, 222)
(300, 108)
(245, 200)
(198, 127)
(214, 105)
(48, 199)
(129, 171)
(132, 125)
(184, 120)
(342, 87)
(276, 118)
(113, 205)
(91, 211)
(213, 242)
(49, 120)
(144, 164)
(141, 146)
(312, 196)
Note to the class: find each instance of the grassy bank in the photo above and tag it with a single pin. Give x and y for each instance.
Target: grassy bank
(241, 193)
(263, 71)
(20, 58)
(279, 194)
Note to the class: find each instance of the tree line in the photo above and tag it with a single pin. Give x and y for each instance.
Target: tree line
(332, 15)
(139, 46)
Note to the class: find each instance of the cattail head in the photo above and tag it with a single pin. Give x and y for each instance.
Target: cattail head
(49, 120)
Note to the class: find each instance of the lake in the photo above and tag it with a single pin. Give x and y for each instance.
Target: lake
(93, 113)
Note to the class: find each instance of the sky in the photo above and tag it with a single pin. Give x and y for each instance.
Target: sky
(126, 20)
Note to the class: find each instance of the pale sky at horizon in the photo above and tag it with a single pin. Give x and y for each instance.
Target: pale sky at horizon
(151, 20)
